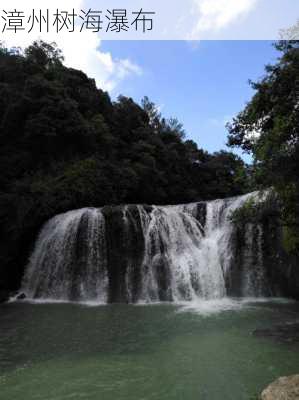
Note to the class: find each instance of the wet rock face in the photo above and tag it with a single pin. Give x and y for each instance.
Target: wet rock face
(249, 265)
(259, 248)
(286, 388)
(125, 251)
(282, 268)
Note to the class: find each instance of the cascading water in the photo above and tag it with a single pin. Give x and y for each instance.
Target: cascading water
(69, 261)
(144, 254)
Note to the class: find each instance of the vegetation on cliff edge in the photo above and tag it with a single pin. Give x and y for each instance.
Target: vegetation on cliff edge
(268, 128)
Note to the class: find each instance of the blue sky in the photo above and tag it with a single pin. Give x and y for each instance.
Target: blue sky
(203, 85)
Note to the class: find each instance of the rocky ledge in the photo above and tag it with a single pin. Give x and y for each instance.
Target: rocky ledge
(287, 333)
(286, 388)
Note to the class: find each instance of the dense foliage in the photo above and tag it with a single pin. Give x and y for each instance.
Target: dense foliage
(65, 145)
(258, 209)
(269, 128)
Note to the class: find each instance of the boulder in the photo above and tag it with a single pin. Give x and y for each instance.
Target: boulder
(287, 333)
(285, 388)
(21, 296)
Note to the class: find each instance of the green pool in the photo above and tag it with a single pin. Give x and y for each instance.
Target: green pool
(204, 351)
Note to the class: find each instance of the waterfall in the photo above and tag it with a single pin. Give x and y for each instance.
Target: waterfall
(146, 254)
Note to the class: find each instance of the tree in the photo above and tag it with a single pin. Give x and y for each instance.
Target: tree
(269, 128)
(44, 54)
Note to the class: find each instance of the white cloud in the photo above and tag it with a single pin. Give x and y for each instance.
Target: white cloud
(117, 70)
(214, 15)
(81, 49)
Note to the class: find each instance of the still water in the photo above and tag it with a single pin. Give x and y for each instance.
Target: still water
(199, 351)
